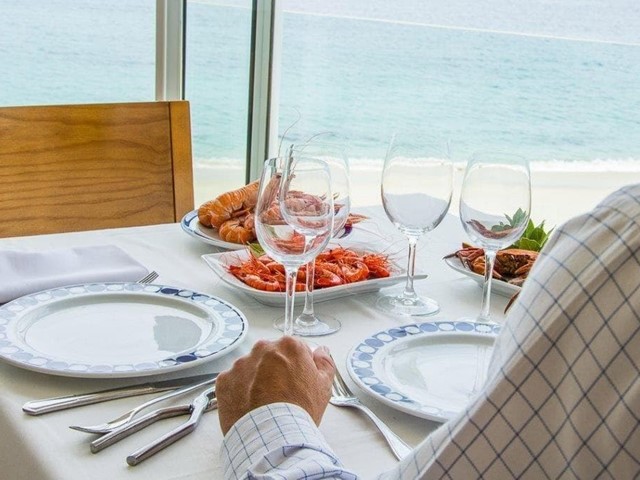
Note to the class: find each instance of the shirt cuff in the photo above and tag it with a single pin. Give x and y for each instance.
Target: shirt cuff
(273, 438)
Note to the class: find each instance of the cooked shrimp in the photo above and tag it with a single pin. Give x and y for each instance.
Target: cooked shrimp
(324, 277)
(354, 271)
(377, 264)
(263, 282)
(238, 230)
(228, 205)
(333, 267)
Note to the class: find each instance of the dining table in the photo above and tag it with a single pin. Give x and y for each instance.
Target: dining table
(44, 447)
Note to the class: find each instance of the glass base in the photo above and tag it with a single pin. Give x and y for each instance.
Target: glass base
(311, 325)
(478, 319)
(400, 305)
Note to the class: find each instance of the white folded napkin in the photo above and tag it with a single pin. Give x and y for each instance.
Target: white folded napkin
(23, 272)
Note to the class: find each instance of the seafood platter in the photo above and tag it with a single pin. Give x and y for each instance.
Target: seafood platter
(512, 264)
(227, 220)
(511, 267)
(339, 272)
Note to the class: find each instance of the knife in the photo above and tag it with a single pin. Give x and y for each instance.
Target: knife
(46, 405)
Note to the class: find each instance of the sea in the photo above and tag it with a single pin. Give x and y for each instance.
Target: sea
(557, 82)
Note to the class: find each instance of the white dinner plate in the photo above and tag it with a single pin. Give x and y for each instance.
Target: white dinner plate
(192, 226)
(113, 330)
(220, 261)
(431, 370)
(498, 286)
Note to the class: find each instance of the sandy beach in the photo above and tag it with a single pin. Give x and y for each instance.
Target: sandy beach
(558, 193)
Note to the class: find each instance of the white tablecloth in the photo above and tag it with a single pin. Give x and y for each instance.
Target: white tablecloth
(44, 447)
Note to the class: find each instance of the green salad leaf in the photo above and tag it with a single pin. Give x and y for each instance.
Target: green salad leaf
(534, 236)
(256, 249)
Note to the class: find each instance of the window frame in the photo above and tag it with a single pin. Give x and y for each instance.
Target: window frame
(170, 49)
(264, 72)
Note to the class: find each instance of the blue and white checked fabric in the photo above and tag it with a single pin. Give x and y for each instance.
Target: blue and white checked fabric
(563, 395)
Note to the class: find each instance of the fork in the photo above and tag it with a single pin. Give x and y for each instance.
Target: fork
(150, 277)
(342, 396)
(127, 416)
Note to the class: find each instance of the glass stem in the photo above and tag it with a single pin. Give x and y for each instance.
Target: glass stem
(409, 292)
(489, 262)
(291, 273)
(307, 317)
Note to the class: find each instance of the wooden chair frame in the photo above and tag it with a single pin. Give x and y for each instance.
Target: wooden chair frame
(85, 167)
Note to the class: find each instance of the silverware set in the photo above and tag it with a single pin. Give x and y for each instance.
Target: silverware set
(126, 417)
(129, 422)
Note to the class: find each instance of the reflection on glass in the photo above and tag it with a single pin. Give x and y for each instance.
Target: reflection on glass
(294, 218)
(309, 323)
(494, 208)
(416, 192)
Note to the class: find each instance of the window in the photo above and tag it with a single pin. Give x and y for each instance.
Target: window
(217, 86)
(557, 83)
(80, 51)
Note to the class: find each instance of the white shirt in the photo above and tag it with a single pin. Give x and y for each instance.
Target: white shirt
(562, 398)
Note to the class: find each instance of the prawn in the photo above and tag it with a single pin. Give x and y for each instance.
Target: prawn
(263, 282)
(378, 265)
(325, 277)
(354, 271)
(256, 275)
(238, 230)
(228, 205)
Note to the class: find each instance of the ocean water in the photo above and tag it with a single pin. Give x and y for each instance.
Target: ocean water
(558, 83)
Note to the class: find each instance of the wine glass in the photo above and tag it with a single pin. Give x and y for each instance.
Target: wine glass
(293, 217)
(417, 184)
(309, 323)
(495, 205)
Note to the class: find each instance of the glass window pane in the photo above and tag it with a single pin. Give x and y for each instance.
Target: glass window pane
(555, 82)
(77, 51)
(217, 86)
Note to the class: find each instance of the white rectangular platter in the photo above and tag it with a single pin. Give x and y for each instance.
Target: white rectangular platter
(220, 261)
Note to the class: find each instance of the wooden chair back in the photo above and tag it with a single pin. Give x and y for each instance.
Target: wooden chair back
(85, 167)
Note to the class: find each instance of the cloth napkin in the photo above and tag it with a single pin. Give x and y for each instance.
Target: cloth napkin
(23, 272)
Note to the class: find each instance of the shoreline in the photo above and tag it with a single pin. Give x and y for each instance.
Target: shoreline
(557, 193)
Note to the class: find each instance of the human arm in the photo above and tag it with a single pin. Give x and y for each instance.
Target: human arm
(270, 404)
(286, 370)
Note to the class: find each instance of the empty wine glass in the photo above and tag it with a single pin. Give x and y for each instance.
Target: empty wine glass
(309, 323)
(293, 218)
(417, 184)
(494, 208)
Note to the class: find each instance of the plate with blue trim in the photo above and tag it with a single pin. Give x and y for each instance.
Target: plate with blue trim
(113, 330)
(431, 370)
(192, 227)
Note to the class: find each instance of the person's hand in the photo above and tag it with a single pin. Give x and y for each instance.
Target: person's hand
(282, 371)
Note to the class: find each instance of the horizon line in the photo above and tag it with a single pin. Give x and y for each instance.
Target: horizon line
(435, 25)
(472, 29)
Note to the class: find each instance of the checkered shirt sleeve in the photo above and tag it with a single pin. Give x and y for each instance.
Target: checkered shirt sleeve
(279, 441)
(563, 395)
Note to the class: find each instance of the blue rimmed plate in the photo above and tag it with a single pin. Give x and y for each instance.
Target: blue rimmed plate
(112, 330)
(430, 369)
(192, 226)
